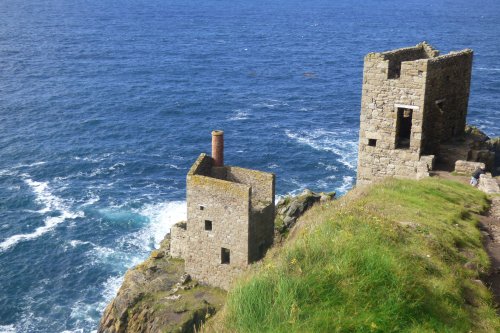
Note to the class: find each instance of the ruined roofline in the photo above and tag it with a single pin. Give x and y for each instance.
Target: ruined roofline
(204, 163)
(427, 53)
(238, 189)
(453, 54)
(422, 50)
(252, 171)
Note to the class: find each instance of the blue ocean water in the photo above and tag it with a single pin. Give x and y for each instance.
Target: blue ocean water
(104, 105)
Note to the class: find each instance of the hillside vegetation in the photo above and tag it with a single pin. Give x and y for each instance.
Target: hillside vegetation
(400, 256)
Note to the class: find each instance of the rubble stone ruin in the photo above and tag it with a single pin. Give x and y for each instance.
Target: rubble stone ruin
(230, 218)
(413, 103)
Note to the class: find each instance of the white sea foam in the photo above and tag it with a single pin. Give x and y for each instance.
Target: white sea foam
(92, 200)
(93, 159)
(6, 172)
(173, 166)
(334, 142)
(50, 203)
(76, 242)
(347, 183)
(328, 167)
(7, 329)
(116, 165)
(239, 115)
(84, 313)
(111, 287)
(29, 165)
(162, 217)
(270, 104)
(488, 69)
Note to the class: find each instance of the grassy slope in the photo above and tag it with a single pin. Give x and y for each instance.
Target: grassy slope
(389, 258)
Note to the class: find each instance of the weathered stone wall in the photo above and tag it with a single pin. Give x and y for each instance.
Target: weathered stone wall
(223, 212)
(467, 167)
(381, 98)
(261, 231)
(202, 166)
(262, 183)
(178, 240)
(389, 100)
(446, 98)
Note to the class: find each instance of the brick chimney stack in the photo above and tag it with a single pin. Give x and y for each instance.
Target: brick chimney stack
(218, 148)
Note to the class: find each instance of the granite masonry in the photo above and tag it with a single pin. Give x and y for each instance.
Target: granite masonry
(230, 218)
(413, 101)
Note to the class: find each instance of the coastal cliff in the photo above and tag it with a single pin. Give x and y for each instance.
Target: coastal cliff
(157, 296)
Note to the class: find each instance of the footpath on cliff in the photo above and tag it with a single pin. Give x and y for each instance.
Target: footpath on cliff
(489, 224)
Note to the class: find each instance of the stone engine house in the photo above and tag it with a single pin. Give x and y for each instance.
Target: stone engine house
(413, 101)
(230, 218)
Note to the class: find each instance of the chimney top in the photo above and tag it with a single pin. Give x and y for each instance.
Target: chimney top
(217, 132)
(218, 148)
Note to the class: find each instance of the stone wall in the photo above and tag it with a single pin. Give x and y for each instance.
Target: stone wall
(378, 155)
(262, 183)
(178, 240)
(467, 167)
(446, 98)
(261, 231)
(397, 119)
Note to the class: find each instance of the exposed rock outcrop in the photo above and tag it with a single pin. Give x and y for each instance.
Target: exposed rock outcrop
(290, 208)
(157, 296)
(474, 146)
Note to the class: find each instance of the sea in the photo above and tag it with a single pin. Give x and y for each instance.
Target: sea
(104, 105)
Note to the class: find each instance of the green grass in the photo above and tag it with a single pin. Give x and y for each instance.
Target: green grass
(389, 258)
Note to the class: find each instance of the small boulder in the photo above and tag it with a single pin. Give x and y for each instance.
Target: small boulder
(185, 278)
(157, 254)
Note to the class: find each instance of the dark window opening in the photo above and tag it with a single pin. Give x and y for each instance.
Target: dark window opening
(372, 142)
(394, 69)
(202, 207)
(225, 256)
(208, 225)
(403, 128)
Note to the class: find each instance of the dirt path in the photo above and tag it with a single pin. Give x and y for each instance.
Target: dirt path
(490, 223)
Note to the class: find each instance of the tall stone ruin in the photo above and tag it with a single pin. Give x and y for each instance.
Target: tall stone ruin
(413, 101)
(230, 218)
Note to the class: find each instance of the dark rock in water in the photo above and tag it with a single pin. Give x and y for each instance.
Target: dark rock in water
(158, 296)
(290, 208)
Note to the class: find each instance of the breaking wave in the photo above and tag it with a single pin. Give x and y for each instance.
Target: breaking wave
(334, 142)
(50, 203)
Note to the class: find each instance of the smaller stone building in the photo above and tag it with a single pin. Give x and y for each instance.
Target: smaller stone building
(413, 102)
(230, 218)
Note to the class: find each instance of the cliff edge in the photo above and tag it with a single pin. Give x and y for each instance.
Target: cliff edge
(156, 296)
